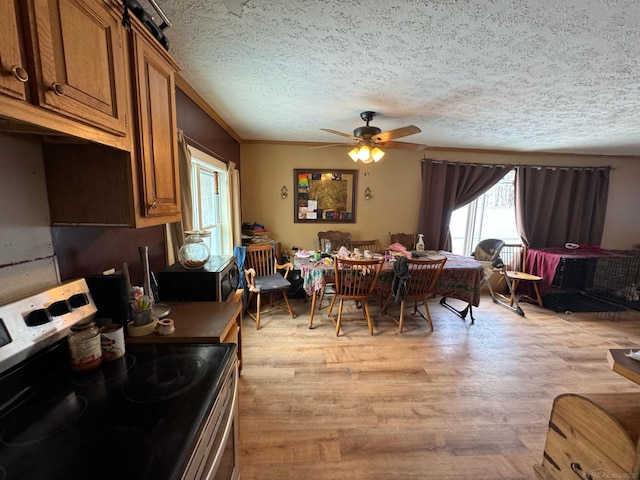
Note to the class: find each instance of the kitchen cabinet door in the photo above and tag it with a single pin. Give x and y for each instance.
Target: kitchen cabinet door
(155, 104)
(79, 58)
(13, 72)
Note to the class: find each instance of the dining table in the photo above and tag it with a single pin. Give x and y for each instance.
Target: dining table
(461, 278)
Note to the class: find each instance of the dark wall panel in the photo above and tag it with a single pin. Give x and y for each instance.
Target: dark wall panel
(199, 126)
(85, 251)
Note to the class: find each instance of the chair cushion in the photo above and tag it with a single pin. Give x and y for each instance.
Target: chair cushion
(271, 282)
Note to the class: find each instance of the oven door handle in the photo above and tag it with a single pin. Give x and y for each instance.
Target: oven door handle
(228, 430)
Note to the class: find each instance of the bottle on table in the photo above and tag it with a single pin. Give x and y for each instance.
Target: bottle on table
(420, 244)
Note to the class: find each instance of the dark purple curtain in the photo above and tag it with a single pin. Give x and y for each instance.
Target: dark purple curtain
(556, 205)
(447, 186)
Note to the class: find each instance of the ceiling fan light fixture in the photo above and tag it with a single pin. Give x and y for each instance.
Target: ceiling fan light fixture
(364, 153)
(377, 154)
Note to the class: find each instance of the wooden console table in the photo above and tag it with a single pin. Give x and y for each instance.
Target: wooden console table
(625, 366)
(201, 322)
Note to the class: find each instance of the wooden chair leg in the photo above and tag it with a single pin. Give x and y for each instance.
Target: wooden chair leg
(330, 310)
(538, 297)
(428, 317)
(365, 307)
(313, 307)
(514, 288)
(258, 311)
(321, 298)
(339, 316)
(386, 303)
(286, 299)
(401, 322)
(247, 307)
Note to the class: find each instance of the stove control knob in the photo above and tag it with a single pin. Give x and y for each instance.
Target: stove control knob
(37, 317)
(58, 308)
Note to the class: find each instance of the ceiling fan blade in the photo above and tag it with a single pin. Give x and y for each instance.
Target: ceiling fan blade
(331, 145)
(335, 132)
(402, 145)
(396, 133)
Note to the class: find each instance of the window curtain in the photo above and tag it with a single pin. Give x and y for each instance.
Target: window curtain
(234, 196)
(447, 186)
(177, 229)
(556, 205)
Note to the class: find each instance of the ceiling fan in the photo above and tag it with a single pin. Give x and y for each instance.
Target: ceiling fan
(369, 138)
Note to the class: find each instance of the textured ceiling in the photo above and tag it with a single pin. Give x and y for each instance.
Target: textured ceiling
(519, 75)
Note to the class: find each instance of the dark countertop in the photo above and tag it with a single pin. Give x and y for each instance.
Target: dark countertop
(196, 322)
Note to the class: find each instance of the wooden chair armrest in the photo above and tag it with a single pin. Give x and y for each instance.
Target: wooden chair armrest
(250, 277)
(287, 266)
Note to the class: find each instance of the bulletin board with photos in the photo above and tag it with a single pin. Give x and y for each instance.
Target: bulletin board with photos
(325, 196)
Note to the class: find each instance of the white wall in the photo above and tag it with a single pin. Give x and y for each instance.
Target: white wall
(27, 263)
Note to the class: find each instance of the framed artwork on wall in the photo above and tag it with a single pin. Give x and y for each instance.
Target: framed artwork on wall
(324, 196)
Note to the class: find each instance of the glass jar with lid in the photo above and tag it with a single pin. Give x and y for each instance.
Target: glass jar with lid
(195, 252)
(85, 346)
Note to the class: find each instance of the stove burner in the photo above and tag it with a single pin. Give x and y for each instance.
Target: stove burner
(38, 422)
(108, 371)
(164, 378)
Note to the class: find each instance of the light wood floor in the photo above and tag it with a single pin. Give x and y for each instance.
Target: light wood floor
(464, 402)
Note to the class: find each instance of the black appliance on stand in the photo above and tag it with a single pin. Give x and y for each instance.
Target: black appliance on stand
(217, 281)
(111, 296)
(162, 411)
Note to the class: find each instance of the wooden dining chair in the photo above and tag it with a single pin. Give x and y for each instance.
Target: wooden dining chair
(422, 277)
(513, 272)
(362, 245)
(338, 239)
(262, 273)
(406, 239)
(354, 280)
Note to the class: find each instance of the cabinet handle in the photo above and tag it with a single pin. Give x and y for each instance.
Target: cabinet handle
(153, 206)
(57, 88)
(19, 73)
(577, 469)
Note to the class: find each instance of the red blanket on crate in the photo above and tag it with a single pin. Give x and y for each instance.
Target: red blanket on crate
(544, 261)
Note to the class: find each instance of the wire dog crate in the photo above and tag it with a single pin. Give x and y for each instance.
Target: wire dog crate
(604, 285)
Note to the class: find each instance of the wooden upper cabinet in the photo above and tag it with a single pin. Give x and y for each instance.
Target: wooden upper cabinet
(156, 135)
(13, 65)
(79, 59)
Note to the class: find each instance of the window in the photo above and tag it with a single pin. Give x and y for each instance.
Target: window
(211, 201)
(491, 215)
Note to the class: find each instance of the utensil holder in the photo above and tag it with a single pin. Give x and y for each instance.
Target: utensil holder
(142, 317)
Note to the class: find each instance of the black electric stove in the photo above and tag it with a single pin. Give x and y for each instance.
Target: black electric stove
(138, 417)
